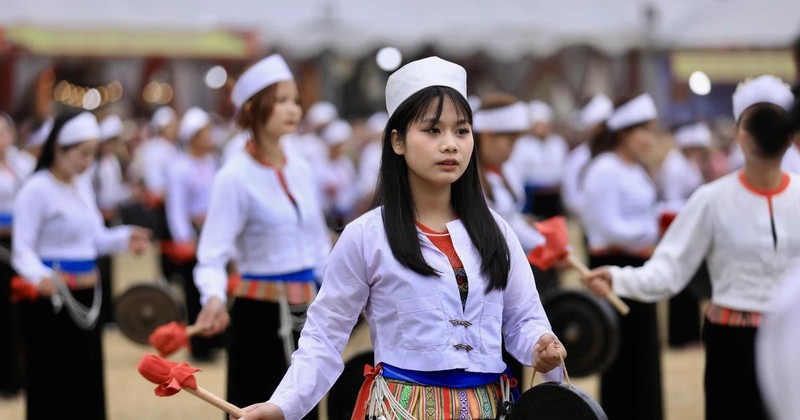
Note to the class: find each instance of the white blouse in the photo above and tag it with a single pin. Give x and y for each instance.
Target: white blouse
(620, 208)
(571, 182)
(250, 217)
(12, 173)
(337, 184)
(730, 227)
(678, 178)
(189, 193)
(791, 160)
(509, 207)
(409, 314)
(108, 182)
(58, 221)
(540, 163)
(158, 155)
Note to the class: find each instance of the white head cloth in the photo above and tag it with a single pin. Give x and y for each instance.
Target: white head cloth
(540, 112)
(376, 122)
(321, 114)
(163, 117)
(337, 132)
(599, 108)
(110, 127)
(79, 129)
(763, 89)
(268, 71)
(777, 349)
(39, 137)
(636, 111)
(513, 118)
(194, 120)
(693, 135)
(420, 74)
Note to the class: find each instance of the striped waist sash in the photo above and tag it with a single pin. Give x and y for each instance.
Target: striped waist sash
(719, 315)
(76, 274)
(300, 287)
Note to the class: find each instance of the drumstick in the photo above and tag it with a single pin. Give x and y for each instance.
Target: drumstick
(611, 297)
(216, 401)
(193, 330)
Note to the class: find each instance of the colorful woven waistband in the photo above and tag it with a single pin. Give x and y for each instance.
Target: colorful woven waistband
(298, 276)
(454, 378)
(719, 315)
(297, 292)
(72, 266)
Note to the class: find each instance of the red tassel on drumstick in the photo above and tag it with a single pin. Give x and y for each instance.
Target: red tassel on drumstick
(169, 338)
(23, 290)
(556, 248)
(171, 377)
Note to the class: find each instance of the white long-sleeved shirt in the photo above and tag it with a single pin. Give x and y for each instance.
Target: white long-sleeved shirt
(252, 218)
(12, 174)
(189, 187)
(107, 180)
(730, 227)
(58, 221)
(791, 160)
(540, 163)
(678, 178)
(336, 181)
(235, 145)
(369, 167)
(571, 182)
(409, 314)
(620, 208)
(509, 207)
(158, 155)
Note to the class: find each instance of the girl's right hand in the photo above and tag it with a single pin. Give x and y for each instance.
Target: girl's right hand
(213, 318)
(46, 287)
(262, 411)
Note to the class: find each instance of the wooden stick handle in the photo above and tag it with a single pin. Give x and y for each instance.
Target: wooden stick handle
(611, 297)
(193, 330)
(216, 401)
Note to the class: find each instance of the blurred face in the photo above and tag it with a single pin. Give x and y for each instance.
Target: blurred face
(639, 141)
(170, 131)
(541, 129)
(436, 152)
(6, 134)
(496, 148)
(202, 142)
(75, 160)
(286, 114)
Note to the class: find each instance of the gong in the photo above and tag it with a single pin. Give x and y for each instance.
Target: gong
(344, 393)
(552, 400)
(145, 307)
(588, 328)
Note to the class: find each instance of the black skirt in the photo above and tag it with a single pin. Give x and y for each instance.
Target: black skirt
(631, 387)
(10, 346)
(731, 385)
(256, 359)
(65, 363)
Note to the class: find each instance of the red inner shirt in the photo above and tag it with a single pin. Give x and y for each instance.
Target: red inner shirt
(444, 242)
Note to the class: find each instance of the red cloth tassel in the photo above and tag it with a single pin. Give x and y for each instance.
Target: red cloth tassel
(665, 221)
(169, 338)
(556, 246)
(23, 290)
(179, 252)
(370, 373)
(169, 376)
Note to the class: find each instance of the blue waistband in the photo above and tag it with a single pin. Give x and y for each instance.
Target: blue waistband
(454, 378)
(6, 219)
(72, 266)
(300, 276)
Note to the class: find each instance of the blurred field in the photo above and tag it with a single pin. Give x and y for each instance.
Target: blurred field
(130, 397)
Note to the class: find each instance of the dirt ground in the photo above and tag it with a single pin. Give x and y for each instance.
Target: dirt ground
(129, 396)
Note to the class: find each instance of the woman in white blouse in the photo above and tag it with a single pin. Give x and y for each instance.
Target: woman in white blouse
(58, 235)
(441, 279)
(621, 222)
(744, 225)
(263, 212)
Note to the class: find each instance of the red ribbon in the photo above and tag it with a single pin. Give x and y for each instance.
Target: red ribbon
(370, 373)
(169, 338)
(23, 290)
(169, 376)
(664, 221)
(556, 243)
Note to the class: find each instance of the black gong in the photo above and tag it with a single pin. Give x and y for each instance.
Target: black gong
(144, 307)
(552, 400)
(588, 328)
(343, 394)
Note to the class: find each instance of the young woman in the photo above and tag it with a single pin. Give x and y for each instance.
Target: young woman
(58, 235)
(744, 226)
(264, 213)
(13, 170)
(620, 215)
(189, 179)
(441, 279)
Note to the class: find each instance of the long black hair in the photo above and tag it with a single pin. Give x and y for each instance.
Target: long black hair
(48, 155)
(393, 192)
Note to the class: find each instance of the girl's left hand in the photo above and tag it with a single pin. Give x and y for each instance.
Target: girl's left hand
(140, 240)
(547, 353)
(262, 411)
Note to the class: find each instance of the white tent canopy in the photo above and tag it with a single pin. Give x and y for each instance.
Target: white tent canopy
(503, 29)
